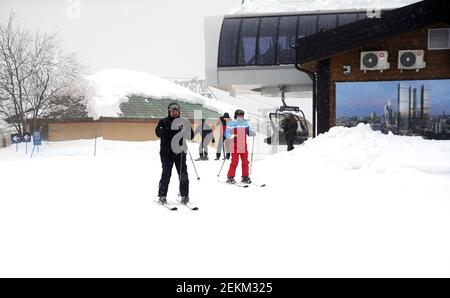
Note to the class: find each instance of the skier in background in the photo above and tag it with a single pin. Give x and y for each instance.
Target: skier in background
(289, 126)
(166, 130)
(237, 132)
(223, 144)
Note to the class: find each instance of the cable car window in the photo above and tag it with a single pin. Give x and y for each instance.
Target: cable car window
(327, 21)
(362, 16)
(346, 18)
(247, 41)
(287, 35)
(229, 42)
(267, 40)
(307, 25)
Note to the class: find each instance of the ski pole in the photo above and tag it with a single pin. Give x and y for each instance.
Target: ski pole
(179, 174)
(220, 171)
(253, 146)
(224, 145)
(198, 178)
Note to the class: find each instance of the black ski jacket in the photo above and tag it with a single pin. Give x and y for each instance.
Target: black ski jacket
(166, 133)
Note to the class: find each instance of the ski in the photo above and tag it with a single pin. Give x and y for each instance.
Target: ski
(193, 208)
(234, 184)
(165, 205)
(257, 185)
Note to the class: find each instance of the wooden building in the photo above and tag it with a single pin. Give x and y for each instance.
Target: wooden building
(136, 122)
(335, 55)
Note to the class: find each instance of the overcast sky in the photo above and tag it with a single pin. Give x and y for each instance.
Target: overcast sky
(162, 37)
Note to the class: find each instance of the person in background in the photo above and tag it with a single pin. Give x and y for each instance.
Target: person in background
(289, 126)
(207, 136)
(223, 144)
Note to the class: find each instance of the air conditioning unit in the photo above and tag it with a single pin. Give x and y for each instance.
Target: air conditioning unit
(376, 60)
(411, 59)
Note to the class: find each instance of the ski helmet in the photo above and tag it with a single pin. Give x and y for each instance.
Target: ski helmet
(238, 113)
(173, 106)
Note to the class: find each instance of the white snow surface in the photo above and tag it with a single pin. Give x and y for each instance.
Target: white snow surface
(261, 6)
(112, 86)
(350, 203)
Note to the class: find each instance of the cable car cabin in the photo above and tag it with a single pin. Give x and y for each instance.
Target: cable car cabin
(256, 52)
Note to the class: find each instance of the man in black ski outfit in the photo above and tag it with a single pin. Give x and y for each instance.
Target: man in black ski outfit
(289, 126)
(173, 132)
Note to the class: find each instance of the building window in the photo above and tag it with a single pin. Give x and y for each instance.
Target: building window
(287, 36)
(327, 21)
(267, 41)
(439, 39)
(247, 41)
(307, 25)
(229, 42)
(347, 18)
(362, 16)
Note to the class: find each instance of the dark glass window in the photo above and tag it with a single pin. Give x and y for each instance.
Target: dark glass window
(287, 35)
(346, 18)
(267, 40)
(247, 41)
(229, 42)
(327, 21)
(307, 25)
(362, 16)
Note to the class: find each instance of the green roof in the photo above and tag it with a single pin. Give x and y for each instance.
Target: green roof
(149, 108)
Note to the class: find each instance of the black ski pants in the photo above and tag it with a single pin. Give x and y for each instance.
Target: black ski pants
(180, 164)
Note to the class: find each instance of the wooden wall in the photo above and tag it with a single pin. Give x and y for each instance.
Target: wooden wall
(438, 64)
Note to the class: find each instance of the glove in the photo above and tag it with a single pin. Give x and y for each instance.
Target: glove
(213, 140)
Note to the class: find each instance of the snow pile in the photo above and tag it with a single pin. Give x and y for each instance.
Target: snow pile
(361, 147)
(114, 85)
(259, 6)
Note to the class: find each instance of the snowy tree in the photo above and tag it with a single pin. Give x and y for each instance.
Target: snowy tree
(38, 80)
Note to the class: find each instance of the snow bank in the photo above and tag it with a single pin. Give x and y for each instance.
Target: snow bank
(362, 148)
(259, 6)
(114, 85)
(255, 6)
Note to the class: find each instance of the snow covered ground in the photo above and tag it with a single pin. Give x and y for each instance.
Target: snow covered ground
(351, 202)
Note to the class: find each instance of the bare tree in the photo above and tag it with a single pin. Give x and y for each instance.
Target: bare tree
(37, 79)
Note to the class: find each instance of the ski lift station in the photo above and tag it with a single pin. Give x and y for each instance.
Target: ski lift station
(256, 52)
(308, 54)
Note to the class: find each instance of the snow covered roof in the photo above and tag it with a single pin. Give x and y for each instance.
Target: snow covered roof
(139, 107)
(113, 86)
(265, 6)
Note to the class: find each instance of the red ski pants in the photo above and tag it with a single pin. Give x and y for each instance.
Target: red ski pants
(235, 161)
